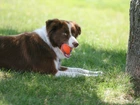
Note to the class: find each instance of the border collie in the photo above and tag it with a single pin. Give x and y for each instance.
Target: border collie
(40, 50)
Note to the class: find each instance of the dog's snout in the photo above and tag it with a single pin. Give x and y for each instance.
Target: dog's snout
(75, 44)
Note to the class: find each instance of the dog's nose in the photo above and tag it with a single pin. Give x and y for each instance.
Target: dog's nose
(75, 44)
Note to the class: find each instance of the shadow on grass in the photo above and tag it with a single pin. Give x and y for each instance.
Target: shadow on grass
(36, 89)
(89, 57)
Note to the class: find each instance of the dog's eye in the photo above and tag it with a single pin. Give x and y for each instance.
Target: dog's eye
(65, 34)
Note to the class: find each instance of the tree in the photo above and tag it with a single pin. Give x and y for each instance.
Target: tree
(133, 54)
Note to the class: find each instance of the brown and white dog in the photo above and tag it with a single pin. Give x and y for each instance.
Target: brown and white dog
(39, 51)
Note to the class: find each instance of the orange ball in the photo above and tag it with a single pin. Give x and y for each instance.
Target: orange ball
(66, 49)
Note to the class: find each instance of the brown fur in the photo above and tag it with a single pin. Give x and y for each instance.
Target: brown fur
(26, 51)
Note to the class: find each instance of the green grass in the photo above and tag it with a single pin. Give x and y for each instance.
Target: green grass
(103, 46)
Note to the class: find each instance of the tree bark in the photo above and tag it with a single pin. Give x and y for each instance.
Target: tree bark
(133, 55)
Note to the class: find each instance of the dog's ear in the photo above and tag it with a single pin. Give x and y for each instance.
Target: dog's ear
(77, 28)
(52, 24)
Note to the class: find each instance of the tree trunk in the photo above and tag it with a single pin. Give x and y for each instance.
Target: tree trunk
(133, 55)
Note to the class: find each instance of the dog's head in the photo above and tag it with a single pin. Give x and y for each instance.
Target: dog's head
(63, 32)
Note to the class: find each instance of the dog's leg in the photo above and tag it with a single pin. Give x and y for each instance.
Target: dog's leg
(74, 72)
(83, 71)
(69, 74)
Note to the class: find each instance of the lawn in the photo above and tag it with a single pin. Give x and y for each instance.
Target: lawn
(103, 46)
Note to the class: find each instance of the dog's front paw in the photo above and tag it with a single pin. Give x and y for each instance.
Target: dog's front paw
(96, 73)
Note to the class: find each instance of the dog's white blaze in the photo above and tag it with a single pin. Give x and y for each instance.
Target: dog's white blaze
(72, 39)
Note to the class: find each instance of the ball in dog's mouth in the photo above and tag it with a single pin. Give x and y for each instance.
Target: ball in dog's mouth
(66, 49)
